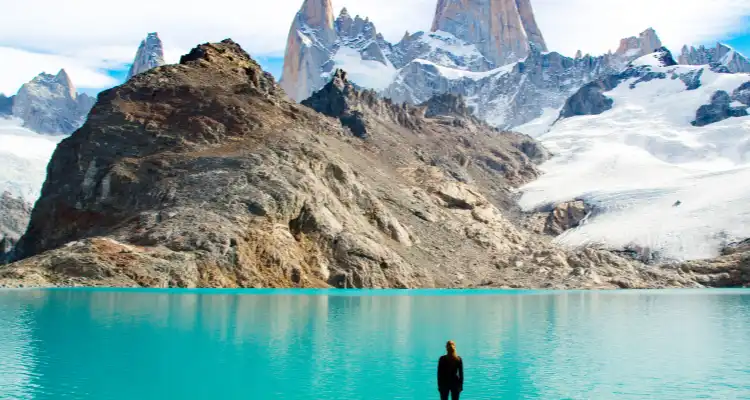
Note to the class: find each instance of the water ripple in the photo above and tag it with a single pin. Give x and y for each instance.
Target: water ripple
(561, 345)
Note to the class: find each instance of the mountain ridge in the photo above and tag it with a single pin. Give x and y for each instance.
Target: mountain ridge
(213, 178)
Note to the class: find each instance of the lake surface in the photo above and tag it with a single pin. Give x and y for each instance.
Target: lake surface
(147, 344)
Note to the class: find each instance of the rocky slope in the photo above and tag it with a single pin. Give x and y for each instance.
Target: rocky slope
(150, 54)
(49, 104)
(719, 56)
(211, 177)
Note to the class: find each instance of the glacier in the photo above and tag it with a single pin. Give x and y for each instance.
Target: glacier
(655, 180)
(24, 155)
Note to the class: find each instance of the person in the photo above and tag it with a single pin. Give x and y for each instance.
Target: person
(450, 374)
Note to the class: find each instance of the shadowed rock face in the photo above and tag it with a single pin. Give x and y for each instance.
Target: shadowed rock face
(6, 105)
(719, 109)
(14, 216)
(205, 174)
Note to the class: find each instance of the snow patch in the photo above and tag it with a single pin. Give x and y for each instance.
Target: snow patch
(456, 74)
(366, 73)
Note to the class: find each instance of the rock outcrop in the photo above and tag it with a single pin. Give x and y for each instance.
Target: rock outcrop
(150, 54)
(720, 55)
(14, 216)
(566, 216)
(719, 109)
(49, 104)
(504, 30)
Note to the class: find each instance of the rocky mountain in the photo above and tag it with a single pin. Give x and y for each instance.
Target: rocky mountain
(49, 104)
(150, 54)
(508, 96)
(503, 30)
(475, 50)
(205, 174)
(721, 55)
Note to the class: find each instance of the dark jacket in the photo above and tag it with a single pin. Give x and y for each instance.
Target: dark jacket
(450, 373)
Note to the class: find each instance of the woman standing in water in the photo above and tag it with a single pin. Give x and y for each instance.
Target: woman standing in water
(450, 373)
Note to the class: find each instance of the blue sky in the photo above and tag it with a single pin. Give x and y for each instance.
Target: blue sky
(95, 43)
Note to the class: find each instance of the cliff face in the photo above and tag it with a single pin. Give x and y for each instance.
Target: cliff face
(211, 177)
(309, 48)
(49, 104)
(150, 54)
(503, 30)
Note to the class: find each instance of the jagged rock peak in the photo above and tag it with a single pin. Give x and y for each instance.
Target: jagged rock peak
(665, 57)
(63, 78)
(49, 104)
(355, 108)
(490, 25)
(720, 55)
(633, 47)
(150, 55)
(309, 44)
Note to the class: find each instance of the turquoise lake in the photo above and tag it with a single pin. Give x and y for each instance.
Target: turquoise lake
(265, 344)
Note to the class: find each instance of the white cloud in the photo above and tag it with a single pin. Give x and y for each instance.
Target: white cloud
(90, 36)
(596, 26)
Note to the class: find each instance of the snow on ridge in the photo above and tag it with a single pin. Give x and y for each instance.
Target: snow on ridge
(366, 73)
(448, 42)
(636, 160)
(455, 73)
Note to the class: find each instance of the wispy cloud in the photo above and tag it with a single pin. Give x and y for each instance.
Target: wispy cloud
(91, 37)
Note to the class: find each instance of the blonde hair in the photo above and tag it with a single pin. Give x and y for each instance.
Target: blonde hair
(450, 347)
